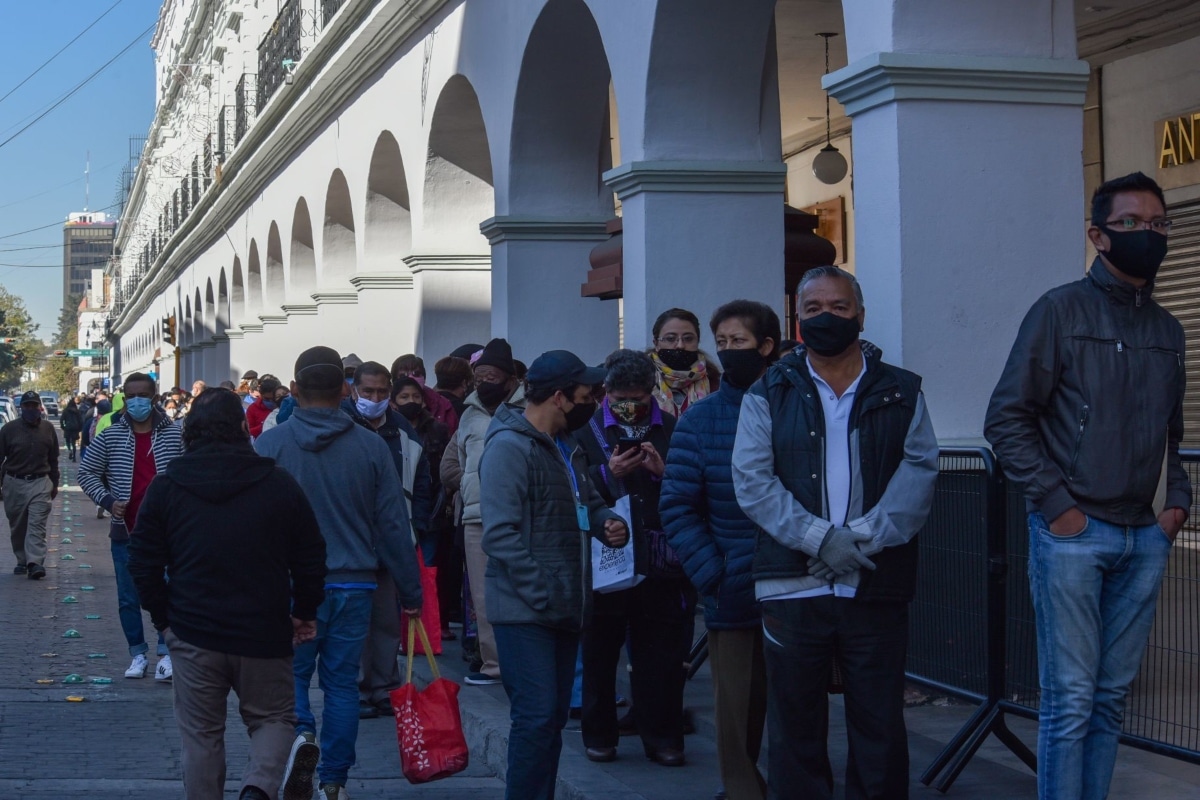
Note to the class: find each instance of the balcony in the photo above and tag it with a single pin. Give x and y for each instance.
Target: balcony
(282, 43)
(245, 107)
(329, 9)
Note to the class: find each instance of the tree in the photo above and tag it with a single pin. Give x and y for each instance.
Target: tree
(59, 372)
(21, 348)
(67, 335)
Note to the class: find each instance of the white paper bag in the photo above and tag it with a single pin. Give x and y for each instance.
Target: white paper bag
(612, 567)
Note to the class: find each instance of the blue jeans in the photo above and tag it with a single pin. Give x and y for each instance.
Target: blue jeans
(129, 608)
(539, 668)
(1094, 595)
(342, 624)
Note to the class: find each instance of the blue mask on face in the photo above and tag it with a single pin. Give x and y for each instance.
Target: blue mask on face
(138, 408)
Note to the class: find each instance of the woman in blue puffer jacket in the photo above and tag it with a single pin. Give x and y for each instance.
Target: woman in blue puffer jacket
(715, 540)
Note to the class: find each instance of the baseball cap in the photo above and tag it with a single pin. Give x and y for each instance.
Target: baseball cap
(558, 369)
(31, 397)
(319, 368)
(250, 375)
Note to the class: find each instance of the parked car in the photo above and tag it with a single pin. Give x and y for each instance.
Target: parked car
(8, 409)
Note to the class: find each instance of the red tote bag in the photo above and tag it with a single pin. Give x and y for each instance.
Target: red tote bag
(428, 725)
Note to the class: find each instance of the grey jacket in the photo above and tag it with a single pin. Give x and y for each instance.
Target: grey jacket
(1090, 401)
(539, 561)
(469, 439)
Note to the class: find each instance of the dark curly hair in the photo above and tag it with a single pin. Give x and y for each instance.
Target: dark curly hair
(629, 370)
(216, 416)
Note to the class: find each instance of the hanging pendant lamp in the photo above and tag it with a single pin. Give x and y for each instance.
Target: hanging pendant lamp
(830, 165)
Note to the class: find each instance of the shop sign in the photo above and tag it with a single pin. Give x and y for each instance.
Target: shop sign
(1178, 140)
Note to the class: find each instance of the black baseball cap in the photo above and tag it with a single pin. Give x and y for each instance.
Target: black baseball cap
(558, 369)
(31, 397)
(319, 368)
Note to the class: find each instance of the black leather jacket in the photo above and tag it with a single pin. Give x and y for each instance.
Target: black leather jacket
(1090, 401)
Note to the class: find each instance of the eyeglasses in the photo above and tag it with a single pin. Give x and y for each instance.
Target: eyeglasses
(672, 339)
(1158, 224)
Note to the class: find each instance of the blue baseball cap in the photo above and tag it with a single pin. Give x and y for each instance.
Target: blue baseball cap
(558, 369)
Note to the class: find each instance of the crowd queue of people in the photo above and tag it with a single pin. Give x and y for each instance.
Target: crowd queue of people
(275, 531)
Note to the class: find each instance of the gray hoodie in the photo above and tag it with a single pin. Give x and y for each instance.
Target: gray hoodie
(348, 476)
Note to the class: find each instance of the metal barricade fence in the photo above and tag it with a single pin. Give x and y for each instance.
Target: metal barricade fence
(972, 629)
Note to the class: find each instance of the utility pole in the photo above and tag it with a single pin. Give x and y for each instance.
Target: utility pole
(87, 180)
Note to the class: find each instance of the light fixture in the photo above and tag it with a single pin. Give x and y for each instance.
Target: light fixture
(829, 166)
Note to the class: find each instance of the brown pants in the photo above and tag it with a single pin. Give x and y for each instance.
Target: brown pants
(266, 699)
(379, 671)
(476, 568)
(739, 675)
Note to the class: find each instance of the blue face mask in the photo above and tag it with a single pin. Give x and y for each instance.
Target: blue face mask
(270, 405)
(371, 410)
(138, 408)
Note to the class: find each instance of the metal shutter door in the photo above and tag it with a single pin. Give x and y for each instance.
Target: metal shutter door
(1177, 289)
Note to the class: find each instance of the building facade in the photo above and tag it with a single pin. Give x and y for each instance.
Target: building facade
(393, 176)
(87, 246)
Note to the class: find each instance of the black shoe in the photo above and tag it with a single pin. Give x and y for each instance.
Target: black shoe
(384, 707)
(253, 793)
(367, 711)
(19, 569)
(36, 571)
(602, 755)
(666, 756)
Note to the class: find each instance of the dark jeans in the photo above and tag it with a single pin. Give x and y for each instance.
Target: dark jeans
(539, 669)
(655, 613)
(449, 565)
(800, 638)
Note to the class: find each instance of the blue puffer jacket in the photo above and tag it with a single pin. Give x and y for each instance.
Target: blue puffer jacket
(707, 529)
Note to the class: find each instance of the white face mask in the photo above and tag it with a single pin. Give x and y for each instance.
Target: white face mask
(369, 409)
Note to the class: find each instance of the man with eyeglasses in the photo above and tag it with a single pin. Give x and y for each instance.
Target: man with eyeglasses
(1088, 416)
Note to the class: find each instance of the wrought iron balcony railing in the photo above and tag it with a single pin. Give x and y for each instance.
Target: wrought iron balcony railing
(328, 9)
(245, 107)
(281, 44)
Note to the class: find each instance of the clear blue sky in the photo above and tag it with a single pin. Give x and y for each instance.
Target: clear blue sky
(48, 159)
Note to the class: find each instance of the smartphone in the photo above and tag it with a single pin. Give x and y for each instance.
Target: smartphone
(625, 444)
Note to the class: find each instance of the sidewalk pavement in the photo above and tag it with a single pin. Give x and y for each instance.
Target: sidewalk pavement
(122, 742)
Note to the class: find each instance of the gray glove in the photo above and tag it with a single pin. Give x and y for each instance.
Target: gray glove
(840, 554)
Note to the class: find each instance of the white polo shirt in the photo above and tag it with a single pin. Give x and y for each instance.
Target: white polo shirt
(837, 466)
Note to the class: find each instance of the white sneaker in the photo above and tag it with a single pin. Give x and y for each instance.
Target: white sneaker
(137, 669)
(164, 671)
(301, 764)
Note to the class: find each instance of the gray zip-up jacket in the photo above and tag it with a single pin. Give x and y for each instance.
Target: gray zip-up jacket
(469, 439)
(539, 561)
(1091, 400)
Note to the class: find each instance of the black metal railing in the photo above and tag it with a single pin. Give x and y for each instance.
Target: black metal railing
(207, 158)
(244, 106)
(972, 632)
(280, 45)
(329, 8)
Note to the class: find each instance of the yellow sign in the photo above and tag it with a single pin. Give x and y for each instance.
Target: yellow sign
(1178, 140)
(1177, 143)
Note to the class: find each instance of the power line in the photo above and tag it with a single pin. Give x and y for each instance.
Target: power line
(89, 265)
(80, 85)
(60, 223)
(60, 52)
(98, 171)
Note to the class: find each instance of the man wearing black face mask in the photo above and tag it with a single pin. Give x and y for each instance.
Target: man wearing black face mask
(29, 458)
(495, 384)
(539, 508)
(835, 460)
(1088, 416)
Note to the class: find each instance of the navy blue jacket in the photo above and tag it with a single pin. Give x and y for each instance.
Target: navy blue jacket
(714, 540)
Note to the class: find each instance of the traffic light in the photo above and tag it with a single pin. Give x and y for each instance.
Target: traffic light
(168, 330)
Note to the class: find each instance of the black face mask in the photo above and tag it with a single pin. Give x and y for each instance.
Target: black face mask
(579, 415)
(410, 411)
(828, 334)
(492, 394)
(1138, 254)
(676, 358)
(742, 367)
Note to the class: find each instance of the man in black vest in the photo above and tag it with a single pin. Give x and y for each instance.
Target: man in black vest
(835, 461)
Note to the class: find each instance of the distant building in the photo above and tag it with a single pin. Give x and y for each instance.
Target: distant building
(87, 245)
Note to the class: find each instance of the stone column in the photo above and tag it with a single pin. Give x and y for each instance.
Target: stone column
(187, 367)
(303, 331)
(538, 267)
(454, 297)
(337, 321)
(698, 234)
(248, 353)
(277, 352)
(220, 359)
(237, 353)
(206, 361)
(386, 312)
(968, 195)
